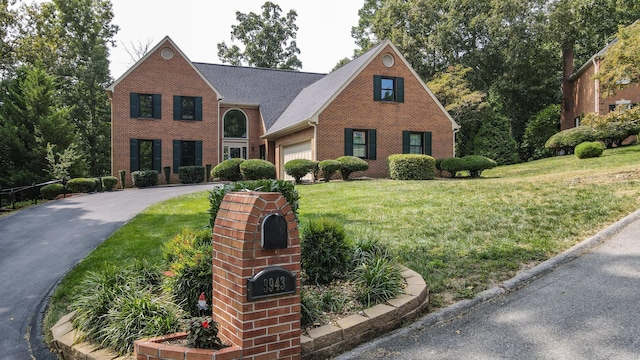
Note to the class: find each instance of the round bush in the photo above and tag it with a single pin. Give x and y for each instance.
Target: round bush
(567, 140)
(325, 252)
(109, 182)
(50, 191)
(191, 174)
(81, 185)
(299, 168)
(477, 163)
(228, 170)
(351, 164)
(256, 169)
(329, 168)
(411, 167)
(453, 165)
(144, 178)
(589, 149)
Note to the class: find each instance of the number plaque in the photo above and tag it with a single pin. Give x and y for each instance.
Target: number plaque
(272, 281)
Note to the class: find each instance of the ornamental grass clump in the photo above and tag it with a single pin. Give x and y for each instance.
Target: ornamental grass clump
(377, 279)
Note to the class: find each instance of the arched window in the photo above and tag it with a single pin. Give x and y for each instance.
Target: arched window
(235, 124)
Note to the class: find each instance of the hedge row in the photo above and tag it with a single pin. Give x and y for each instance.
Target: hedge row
(345, 165)
(79, 185)
(239, 169)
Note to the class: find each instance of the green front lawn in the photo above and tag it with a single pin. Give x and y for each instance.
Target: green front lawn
(462, 235)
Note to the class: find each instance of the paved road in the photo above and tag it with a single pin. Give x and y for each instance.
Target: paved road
(586, 308)
(39, 245)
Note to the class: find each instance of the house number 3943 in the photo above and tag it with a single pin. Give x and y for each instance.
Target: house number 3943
(274, 285)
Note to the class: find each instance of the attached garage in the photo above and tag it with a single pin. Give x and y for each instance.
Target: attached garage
(301, 150)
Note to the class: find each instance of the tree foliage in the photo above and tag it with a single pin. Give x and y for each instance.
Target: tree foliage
(269, 39)
(621, 65)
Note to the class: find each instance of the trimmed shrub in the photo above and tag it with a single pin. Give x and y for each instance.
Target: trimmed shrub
(81, 185)
(411, 167)
(109, 182)
(98, 185)
(228, 170)
(191, 174)
(50, 191)
(144, 178)
(475, 164)
(188, 256)
(299, 168)
(256, 169)
(329, 168)
(351, 164)
(325, 252)
(589, 149)
(286, 188)
(453, 165)
(567, 140)
(540, 128)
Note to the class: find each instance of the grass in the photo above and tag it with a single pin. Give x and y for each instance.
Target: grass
(461, 235)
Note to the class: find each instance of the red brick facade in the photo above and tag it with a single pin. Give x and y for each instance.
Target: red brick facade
(353, 107)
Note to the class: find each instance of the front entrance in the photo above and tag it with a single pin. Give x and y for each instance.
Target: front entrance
(234, 150)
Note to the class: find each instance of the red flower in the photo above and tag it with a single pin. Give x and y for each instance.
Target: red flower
(205, 324)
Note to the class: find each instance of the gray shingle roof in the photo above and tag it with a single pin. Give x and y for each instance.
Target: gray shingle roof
(273, 90)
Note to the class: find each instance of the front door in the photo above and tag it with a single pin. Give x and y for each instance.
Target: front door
(234, 150)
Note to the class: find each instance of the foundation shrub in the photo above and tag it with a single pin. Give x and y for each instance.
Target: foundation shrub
(228, 170)
(329, 168)
(81, 185)
(476, 164)
(589, 149)
(351, 164)
(411, 167)
(50, 191)
(567, 140)
(191, 174)
(256, 169)
(286, 188)
(453, 165)
(144, 178)
(188, 261)
(325, 251)
(298, 168)
(109, 182)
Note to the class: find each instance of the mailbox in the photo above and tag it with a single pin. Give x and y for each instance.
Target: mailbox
(274, 232)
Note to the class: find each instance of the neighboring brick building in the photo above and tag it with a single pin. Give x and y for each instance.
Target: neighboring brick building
(168, 111)
(585, 96)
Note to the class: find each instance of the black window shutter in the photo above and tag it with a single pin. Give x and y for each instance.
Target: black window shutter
(133, 155)
(177, 154)
(198, 154)
(400, 89)
(377, 87)
(427, 143)
(157, 155)
(157, 106)
(406, 141)
(134, 105)
(177, 107)
(348, 142)
(372, 144)
(198, 114)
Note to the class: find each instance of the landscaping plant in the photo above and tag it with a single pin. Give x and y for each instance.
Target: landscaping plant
(325, 252)
(203, 333)
(351, 164)
(257, 169)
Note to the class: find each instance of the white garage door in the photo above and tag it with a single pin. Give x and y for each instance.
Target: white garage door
(296, 151)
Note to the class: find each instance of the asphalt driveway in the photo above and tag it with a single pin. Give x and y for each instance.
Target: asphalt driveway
(39, 245)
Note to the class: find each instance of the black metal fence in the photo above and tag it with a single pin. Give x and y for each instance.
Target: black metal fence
(31, 192)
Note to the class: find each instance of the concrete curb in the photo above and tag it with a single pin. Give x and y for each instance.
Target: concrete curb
(521, 279)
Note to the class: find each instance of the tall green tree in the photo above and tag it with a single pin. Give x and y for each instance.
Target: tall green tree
(621, 65)
(31, 117)
(72, 39)
(7, 23)
(269, 39)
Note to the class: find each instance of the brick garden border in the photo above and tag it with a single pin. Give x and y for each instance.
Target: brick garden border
(319, 343)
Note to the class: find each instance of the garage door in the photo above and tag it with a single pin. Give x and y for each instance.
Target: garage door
(296, 151)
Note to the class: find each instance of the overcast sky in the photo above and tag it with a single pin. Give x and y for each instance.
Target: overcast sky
(196, 26)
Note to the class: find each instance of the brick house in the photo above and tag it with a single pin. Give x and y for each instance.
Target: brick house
(584, 93)
(169, 112)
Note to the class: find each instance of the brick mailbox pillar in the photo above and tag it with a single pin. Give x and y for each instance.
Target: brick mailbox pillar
(256, 275)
